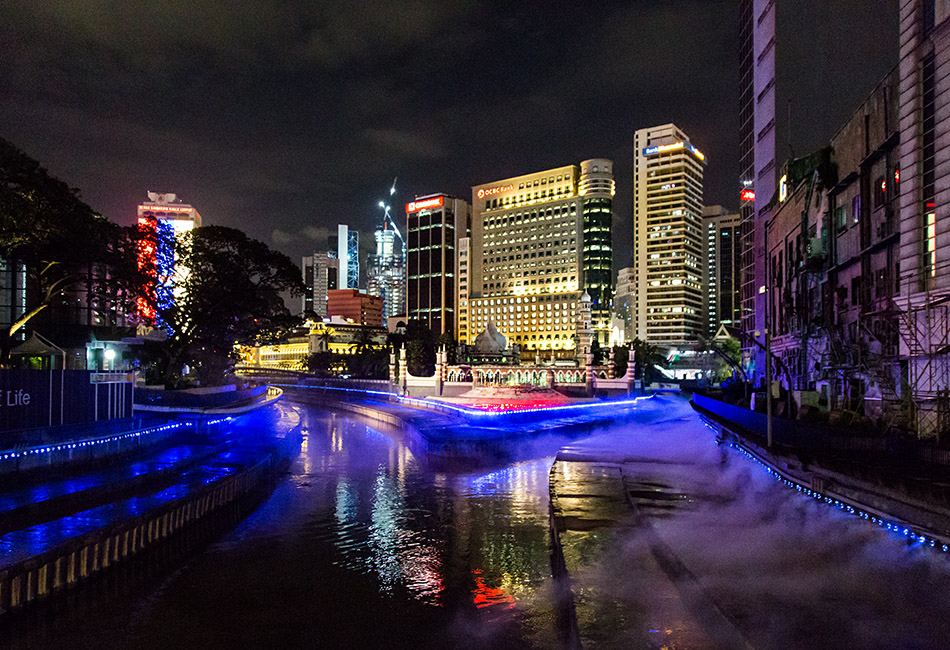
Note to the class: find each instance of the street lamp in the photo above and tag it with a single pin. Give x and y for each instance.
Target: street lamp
(768, 384)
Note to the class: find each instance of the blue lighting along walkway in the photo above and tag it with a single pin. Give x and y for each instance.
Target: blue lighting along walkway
(52, 509)
(33, 494)
(673, 540)
(453, 431)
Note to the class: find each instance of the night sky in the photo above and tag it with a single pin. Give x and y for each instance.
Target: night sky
(284, 121)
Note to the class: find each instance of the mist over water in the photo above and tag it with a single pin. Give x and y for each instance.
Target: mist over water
(741, 552)
(365, 545)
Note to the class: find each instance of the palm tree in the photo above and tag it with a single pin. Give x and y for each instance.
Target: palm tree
(324, 338)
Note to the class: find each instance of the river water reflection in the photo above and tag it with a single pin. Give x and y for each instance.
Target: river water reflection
(365, 545)
(361, 546)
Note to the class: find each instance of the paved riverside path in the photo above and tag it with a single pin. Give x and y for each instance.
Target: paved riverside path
(17, 497)
(673, 541)
(52, 509)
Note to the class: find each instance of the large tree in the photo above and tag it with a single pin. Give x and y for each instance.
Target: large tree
(420, 349)
(58, 240)
(227, 291)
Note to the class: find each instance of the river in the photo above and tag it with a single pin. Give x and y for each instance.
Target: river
(364, 545)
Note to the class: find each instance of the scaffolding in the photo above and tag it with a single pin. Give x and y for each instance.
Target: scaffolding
(925, 362)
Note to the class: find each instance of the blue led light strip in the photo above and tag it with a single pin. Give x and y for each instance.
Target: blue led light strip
(893, 526)
(472, 412)
(48, 449)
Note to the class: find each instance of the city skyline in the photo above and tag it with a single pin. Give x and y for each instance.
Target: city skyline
(260, 143)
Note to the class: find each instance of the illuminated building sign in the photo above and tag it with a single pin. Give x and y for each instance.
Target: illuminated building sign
(747, 195)
(482, 193)
(783, 188)
(663, 148)
(425, 204)
(164, 208)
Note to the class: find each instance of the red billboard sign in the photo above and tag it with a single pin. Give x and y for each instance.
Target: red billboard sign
(425, 204)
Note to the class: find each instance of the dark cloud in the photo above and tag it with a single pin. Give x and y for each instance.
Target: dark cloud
(284, 119)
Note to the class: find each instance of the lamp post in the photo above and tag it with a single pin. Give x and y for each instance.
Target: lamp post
(768, 384)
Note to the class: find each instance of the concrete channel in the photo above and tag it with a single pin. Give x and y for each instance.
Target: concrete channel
(84, 559)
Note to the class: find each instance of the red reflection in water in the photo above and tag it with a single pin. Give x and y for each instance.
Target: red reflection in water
(486, 596)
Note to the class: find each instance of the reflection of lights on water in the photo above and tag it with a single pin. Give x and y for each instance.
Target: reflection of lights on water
(305, 453)
(336, 439)
(526, 484)
(347, 500)
(514, 540)
(398, 554)
(486, 596)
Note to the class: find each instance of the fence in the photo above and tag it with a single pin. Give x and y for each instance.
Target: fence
(30, 399)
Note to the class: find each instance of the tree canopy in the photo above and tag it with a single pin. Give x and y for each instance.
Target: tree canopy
(47, 228)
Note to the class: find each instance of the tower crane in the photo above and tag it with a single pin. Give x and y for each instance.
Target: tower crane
(388, 217)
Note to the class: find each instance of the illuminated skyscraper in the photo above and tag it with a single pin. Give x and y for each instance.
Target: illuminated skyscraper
(723, 264)
(167, 218)
(669, 252)
(538, 242)
(435, 223)
(346, 245)
(386, 273)
(320, 274)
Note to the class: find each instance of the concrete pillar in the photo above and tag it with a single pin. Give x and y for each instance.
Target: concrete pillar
(402, 369)
(392, 367)
(440, 369)
(591, 380)
(610, 364)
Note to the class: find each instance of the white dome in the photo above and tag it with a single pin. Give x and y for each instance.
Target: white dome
(490, 341)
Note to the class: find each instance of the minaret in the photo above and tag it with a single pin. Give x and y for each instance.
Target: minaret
(585, 331)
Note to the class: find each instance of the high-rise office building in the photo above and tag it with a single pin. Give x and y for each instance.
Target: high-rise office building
(346, 246)
(386, 272)
(625, 302)
(723, 264)
(538, 242)
(463, 271)
(758, 167)
(320, 274)
(435, 223)
(355, 305)
(669, 252)
(167, 217)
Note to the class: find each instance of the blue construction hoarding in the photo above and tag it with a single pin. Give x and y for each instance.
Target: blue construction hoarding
(31, 399)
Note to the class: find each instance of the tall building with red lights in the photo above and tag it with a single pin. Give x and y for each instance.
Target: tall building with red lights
(435, 223)
(166, 217)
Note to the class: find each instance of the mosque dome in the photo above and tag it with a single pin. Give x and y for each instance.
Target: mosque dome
(490, 341)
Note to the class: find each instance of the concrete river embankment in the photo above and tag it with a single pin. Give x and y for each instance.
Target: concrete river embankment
(60, 529)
